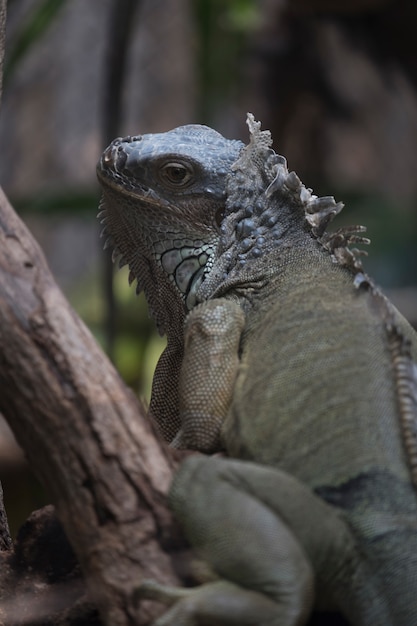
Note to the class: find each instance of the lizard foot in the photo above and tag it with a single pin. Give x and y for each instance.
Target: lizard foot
(222, 603)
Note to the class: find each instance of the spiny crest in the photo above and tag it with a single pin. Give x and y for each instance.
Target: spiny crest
(109, 243)
(260, 141)
(319, 211)
(108, 239)
(405, 376)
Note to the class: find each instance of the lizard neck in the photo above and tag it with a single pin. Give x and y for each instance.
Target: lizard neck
(246, 266)
(271, 218)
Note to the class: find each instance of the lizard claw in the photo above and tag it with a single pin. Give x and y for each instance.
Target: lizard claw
(182, 611)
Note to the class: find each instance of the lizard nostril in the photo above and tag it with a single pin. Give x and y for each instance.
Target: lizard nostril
(107, 159)
(114, 157)
(120, 158)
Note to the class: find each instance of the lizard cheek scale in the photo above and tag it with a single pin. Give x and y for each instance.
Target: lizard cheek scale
(283, 355)
(185, 267)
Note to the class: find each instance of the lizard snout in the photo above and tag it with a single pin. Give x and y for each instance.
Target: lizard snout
(114, 157)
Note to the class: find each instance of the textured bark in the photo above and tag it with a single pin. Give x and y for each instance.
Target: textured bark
(40, 579)
(83, 432)
(5, 539)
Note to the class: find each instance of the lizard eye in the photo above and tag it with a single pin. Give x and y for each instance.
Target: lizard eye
(176, 174)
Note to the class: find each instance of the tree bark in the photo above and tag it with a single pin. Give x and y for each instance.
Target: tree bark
(3, 12)
(5, 539)
(83, 432)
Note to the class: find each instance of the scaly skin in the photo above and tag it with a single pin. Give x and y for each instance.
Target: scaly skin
(159, 219)
(284, 354)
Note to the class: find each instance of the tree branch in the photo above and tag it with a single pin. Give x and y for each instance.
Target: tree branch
(82, 430)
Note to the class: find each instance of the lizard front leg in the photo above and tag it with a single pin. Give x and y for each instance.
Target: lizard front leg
(211, 359)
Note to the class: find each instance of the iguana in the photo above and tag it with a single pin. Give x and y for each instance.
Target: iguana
(283, 354)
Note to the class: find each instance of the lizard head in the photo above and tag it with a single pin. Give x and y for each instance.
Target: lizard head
(162, 206)
(194, 214)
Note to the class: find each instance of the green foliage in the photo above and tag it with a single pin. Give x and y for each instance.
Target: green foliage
(70, 201)
(33, 28)
(137, 345)
(392, 228)
(222, 32)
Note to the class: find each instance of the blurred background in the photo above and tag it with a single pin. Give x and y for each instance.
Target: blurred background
(334, 80)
